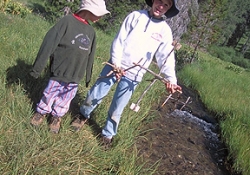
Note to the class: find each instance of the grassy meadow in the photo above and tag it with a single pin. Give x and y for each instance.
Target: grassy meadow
(28, 150)
(224, 88)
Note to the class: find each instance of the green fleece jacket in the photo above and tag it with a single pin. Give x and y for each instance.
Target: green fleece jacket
(71, 45)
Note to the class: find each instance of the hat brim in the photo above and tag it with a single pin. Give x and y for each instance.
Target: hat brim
(173, 11)
(94, 11)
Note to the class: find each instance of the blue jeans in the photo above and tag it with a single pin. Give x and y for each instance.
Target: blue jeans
(99, 90)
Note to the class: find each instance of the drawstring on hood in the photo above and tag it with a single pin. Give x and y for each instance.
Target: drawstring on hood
(149, 19)
(152, 18)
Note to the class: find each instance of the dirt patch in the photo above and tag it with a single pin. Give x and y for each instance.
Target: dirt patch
(178, 146)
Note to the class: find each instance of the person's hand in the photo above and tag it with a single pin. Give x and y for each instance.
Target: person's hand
(33, 75)
(172, 88)
(119, 73)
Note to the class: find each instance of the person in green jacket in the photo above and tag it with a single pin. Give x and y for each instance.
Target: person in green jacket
(70, 44)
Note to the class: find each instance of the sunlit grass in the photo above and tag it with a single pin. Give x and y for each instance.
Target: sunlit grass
(28, 150)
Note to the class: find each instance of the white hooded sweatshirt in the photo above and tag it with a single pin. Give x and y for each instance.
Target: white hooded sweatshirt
(143, 37)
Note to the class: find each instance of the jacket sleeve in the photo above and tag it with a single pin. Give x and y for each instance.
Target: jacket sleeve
(166, 60)
(48, 46)
(116, 51)
(90, 62)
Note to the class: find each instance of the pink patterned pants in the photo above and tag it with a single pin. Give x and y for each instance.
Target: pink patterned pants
(57, 97)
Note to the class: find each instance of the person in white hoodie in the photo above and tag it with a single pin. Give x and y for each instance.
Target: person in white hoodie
(144, 35)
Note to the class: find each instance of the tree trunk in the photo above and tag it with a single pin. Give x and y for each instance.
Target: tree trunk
(245, 47)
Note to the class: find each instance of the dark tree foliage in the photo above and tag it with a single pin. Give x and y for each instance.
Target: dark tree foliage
(119, 10)
(237, 35)
(56, 9)
(242, 31)
(219, 22)
(238, 15)
(246, 44)
(204, 27)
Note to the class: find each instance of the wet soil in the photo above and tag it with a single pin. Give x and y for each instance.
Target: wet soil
(178, 146)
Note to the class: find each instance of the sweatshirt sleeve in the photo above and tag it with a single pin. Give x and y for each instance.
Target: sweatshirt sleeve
(166, 60)
(118, 42)
(90, 62)
(48, 46)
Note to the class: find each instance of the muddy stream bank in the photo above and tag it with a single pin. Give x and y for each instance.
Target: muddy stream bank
(184, 142)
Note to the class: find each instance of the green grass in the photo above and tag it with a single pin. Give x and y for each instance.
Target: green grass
(223, 87)
(27, 150)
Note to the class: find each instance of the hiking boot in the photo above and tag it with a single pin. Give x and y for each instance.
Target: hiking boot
(106, 143)
(55, 124)
(37, 119)
(78, 123)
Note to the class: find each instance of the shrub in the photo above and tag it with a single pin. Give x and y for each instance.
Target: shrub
(224, 53)
(242, 62)
(185, 55)
(55, 9)
(119, 10)
(15, 8)
(235, 68)
(230, 55)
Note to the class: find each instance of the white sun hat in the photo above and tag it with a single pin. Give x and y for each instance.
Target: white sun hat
(97, 7)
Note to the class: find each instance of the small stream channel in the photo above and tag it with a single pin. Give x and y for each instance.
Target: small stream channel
(214, 144)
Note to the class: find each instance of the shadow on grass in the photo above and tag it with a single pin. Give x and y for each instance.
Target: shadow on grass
(18, 75)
